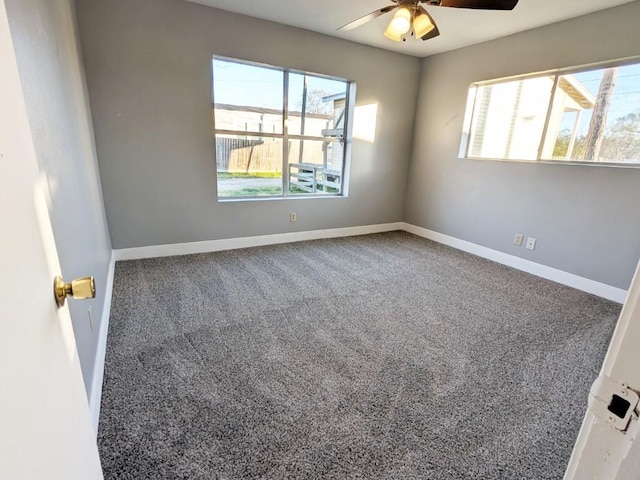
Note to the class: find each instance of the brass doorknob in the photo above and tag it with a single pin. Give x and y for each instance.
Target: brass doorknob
(80, 289)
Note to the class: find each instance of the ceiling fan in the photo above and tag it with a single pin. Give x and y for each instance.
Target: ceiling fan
(411, 16)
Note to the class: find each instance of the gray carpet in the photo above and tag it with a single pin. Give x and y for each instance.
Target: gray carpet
(377, 357)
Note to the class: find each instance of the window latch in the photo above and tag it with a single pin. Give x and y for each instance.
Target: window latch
(614, 403)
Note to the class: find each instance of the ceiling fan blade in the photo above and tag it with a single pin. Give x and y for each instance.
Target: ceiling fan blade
(481, 4)
(434, 32)
(367, 18)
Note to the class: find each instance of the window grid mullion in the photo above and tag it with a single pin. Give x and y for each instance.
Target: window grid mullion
(473, 115)
(345, 139)
(244, 133)
(285, 135)
(545, 129)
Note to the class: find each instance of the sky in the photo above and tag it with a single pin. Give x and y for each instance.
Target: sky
(242, 84)
(625, 98)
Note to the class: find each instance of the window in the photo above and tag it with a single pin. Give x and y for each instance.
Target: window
(585, 115)
(279, 133)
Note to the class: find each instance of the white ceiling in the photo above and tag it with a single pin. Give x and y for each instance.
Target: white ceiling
(458, 27)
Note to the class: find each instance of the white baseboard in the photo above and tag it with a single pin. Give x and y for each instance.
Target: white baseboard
(98, 367)
(591, 286)
(246, 242)
(580, 283)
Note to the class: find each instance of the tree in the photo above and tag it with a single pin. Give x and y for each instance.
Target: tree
(315, 104)
(622, 141)
(598, 122)
(561, 147)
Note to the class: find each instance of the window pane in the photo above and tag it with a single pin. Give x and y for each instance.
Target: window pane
(323, 100)
(247, 98)
(596, 117)
(251, 104)
(315, 166)
(248, 166)
(509, 118)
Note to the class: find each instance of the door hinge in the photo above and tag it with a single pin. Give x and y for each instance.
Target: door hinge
(613, 402)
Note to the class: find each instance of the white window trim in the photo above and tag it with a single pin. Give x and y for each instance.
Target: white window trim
(347, 136)
(470, 112)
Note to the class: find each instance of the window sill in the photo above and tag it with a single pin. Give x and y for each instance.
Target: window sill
(265, 198)
(556, 162)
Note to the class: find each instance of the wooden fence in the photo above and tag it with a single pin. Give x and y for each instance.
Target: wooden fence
(239, 155)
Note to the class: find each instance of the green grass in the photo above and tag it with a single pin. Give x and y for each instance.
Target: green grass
(253, 192)
(225, 175)
(261, 191)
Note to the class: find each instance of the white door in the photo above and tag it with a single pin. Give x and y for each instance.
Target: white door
(605, 449)
(45, 424)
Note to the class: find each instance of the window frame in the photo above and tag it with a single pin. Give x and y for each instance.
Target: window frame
(346, 138)
(470, 112)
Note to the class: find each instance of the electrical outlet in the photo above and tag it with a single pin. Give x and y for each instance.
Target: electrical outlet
(531, 243)
(517, 240)
(293, 217)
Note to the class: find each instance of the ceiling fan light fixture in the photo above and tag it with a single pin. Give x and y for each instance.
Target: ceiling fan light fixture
(422, 25)
(396, 37)
(410, 15)
(399, 24)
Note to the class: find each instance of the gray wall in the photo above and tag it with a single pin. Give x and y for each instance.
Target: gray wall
(45, 40)
(586, 218)
(149, 77)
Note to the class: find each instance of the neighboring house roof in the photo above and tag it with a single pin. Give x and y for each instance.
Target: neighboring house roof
(335, 96)
(268, 111)
(577, 91)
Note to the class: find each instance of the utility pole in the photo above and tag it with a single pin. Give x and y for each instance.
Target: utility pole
(599, 118)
